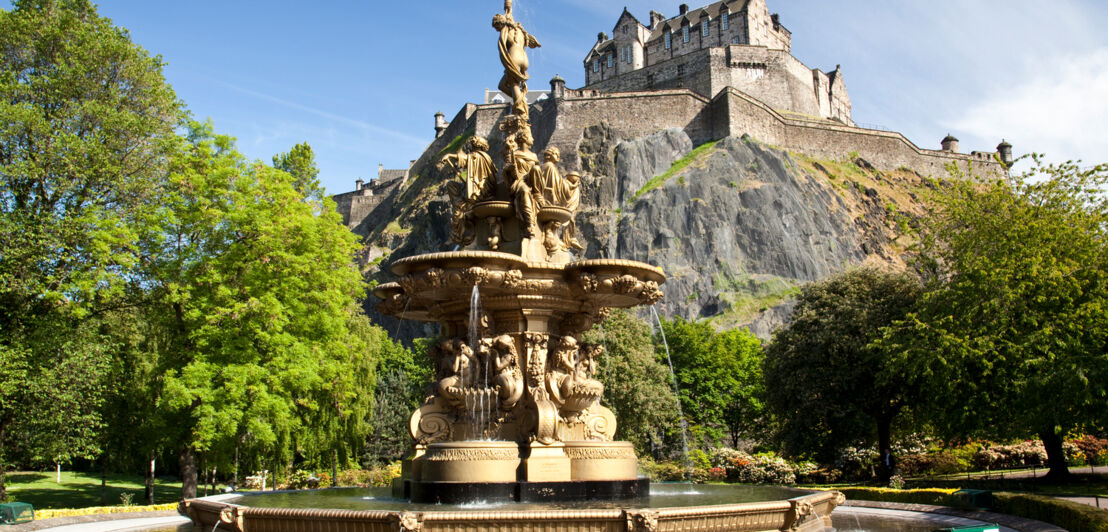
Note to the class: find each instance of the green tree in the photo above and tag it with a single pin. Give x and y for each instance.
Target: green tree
(256, 287)
(828, 385)
(719, 375)
(1014, 319)
(636, 386)
(86, 119)
(402, 386)
(299, 162)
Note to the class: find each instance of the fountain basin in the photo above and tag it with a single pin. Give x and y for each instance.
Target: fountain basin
(666, 510)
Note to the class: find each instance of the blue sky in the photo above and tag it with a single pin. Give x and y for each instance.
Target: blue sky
(361, 81)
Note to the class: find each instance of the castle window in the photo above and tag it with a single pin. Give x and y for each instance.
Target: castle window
(685, 33)
(596, 65)
(704, 28)
(669, 40)
(735, 40)
(628, 54)
(610, 56)
(725, 20)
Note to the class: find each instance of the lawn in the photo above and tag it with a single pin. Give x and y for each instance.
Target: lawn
(81, 490)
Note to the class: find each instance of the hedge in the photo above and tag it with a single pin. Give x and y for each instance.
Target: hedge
(50, 514)
(935, 496)
(1072, 516)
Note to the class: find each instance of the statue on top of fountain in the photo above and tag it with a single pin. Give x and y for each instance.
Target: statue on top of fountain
(513, 43)
(528, 207)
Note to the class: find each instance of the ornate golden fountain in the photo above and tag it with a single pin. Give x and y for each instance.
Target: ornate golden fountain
(515, 413)
(516, 397)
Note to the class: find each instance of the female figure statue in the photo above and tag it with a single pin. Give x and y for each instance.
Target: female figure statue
(513, 44)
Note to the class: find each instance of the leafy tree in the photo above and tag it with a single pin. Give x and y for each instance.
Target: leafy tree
(636, 386)
(719, 376)
(255, 287)
(86, 119)
(1010, 338)
(299, 162)
(402, 386)
(828, 385)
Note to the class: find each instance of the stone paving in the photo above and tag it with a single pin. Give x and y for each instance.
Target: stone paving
(1017, 524)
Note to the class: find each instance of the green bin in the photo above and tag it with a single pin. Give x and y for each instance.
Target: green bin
(14, 513)
(973, 499)
(976, 528)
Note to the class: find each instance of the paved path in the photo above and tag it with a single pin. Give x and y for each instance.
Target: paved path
(1009, 522)
(931, 519)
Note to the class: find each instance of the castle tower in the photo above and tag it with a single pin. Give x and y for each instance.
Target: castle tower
(1004, 150)
(950, 144)
(440, 123)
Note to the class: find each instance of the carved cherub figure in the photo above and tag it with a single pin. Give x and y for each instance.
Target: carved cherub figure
(559, 380)
(509, 378)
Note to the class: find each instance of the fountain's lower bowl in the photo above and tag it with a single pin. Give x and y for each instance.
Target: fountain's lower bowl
(668, 510)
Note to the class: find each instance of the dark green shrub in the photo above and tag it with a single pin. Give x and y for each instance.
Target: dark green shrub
(935, 496)
(1071, 516)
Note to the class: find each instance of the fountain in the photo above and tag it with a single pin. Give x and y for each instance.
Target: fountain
(515, 413)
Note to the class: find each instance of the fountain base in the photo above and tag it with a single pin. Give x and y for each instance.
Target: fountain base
(526, 492)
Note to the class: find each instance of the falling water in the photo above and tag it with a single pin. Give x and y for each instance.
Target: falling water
(478, 402)
(676, 392)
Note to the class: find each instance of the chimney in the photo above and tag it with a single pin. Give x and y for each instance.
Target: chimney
(684, 9)
(440, 124)
(776, 21)
(656, 18)
(950, 143)
(380, 170)
(601, 37)
(358, 184)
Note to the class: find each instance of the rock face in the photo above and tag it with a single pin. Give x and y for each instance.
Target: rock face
(736, 225)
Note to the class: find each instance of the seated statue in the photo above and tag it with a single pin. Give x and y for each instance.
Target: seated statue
(473, 164)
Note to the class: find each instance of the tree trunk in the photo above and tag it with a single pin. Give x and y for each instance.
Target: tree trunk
(1055, 455)
(188, 473)
(3, 487)
(334, 468)
(150, 480)
(103, 482)
(235, 478)
(884, 449)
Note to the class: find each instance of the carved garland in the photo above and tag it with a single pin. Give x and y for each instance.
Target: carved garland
(600, 453)
(470, 455)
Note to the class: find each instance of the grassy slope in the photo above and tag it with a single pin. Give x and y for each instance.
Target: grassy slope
(79, 490)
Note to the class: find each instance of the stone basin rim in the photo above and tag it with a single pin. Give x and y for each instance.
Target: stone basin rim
(222, 500)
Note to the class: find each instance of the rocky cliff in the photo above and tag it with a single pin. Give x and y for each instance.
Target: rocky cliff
(737, 225)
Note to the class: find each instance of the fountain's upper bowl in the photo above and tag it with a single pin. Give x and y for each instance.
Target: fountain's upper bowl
(436, 286)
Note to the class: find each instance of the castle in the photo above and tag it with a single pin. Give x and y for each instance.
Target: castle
(731, 43)
(718, 71)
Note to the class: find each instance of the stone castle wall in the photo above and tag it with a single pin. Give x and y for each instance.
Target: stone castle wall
(561, 122)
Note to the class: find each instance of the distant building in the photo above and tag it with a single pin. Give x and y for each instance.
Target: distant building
(356, 205)
(731, 43)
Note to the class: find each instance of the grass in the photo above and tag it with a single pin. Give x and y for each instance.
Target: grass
(395, 228)
(678, 166)
(748, 295)
(82, 490)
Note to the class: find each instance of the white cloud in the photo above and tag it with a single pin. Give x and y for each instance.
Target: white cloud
(1060, 109)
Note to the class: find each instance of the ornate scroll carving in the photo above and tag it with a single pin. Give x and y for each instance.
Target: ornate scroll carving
(600, 423)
